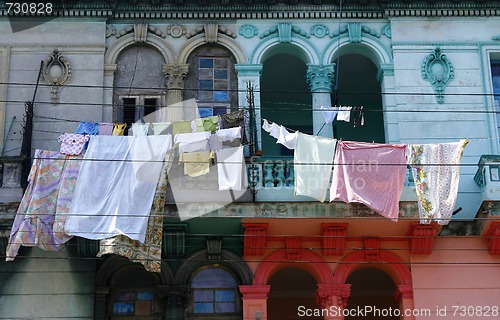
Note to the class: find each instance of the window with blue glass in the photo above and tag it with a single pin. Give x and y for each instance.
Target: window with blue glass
(213, 86)
(133, 295)
(215, 292)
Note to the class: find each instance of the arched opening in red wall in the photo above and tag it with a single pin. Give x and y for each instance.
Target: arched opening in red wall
(373, 292)
(293, 291)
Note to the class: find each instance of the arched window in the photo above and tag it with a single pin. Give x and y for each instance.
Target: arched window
(133, 295)
(212, 80)
(214, 295)
(139, 84)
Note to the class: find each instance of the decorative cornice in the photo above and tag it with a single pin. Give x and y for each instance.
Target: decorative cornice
(269, 9)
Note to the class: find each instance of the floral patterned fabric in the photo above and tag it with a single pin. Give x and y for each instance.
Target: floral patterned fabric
(40, 217)
(149, 253)
(436, 171)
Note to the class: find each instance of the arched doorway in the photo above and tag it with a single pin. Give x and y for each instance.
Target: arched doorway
(358, 86)
(372, 289)
(285, 98)
(291, 289)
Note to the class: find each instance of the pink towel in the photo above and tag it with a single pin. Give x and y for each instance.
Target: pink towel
(370, 173)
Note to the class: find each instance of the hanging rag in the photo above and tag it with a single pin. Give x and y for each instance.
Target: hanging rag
(140, 129)
(196, 163)
(116, 186)
(344, 114)
(119, 129)
(282, 135)
(86, 127)
(230, 168)
(436, 172)
(106, 128)
(370, 173)
(312, 163)
(192, 142)
(72, 144)
(181, 127)
(226, 138)
(209, 124)
(162, 128)
(235, 119)
(329, 113)
(42, 212)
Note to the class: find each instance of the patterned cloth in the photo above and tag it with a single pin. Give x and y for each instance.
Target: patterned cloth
(370, 173)
(436, 185)
(149, 253)
(41, 215)
(90, 128)
(72, 143)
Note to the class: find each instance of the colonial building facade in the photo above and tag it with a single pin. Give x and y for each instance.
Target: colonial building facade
(424, 71)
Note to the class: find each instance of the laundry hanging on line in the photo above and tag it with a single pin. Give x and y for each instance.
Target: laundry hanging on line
(384, 172)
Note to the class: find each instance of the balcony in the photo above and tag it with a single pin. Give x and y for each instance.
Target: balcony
(269, 180)
(10, 179)
(488, 177)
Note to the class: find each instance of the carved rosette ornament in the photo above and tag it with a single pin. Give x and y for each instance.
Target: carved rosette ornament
(56, 72)
(438, 70)
(326, 292)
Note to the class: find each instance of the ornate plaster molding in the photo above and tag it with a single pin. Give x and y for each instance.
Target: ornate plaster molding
(248, 31)
(211, 31)
(438, 70)
(284, 31)
(355, 32)
(140, 30)
(56, 72)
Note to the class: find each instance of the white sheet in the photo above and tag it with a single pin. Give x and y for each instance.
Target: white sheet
(116, 186)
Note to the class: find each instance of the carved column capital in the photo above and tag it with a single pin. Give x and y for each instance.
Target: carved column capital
(175, 74)
(320, 77)
(326, 293)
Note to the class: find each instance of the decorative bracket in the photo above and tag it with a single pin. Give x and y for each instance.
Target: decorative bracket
(372, 248)
(292, 248)
(333, 236)
(254, 239)
(438, 70)
(422, 237)
(56, 72)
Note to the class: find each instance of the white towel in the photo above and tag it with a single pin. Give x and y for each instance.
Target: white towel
(230, 168)
(313, 160)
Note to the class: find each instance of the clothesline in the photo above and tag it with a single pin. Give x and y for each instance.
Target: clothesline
(351, 184)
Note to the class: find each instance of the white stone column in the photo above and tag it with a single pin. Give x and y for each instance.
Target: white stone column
(175, 74)
(320, 79)
(250, 74)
